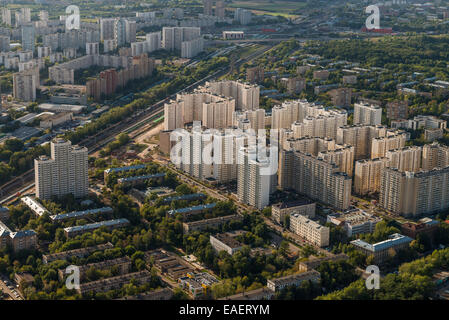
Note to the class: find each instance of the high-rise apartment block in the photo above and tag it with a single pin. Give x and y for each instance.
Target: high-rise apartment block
(367, 114)
(367, 175)
(207, 7)
(28, 34)
(315, 178)
(253, 179)
(212, 110)
(173, 37)
(66, 172)
(308, 120)
(246, 95)
(4, 44)
(92, 48)
(6, 16)
(25, 84)
(107, 27)
(220, 9)
(243, 16)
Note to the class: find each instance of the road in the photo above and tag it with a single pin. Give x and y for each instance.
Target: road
(279, 230)
(100, 139)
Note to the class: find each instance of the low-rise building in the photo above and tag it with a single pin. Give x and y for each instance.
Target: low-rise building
(424, 226)
(313, 263)
(303, 206)
(209, 223)
(278, 284)
(112, 283)
(380, 251)
(309, 230)
(197, 284)
(79, 253)
(355, 221)
(224, 242)
(109, 224)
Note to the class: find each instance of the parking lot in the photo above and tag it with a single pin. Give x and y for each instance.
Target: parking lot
(9, 288)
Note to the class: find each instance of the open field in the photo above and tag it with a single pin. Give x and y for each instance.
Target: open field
(280, 8)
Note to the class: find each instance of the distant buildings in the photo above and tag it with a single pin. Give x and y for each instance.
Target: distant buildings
(25, 84)
(233, 35)
(381, 250)
(28, 37)
(66, 172)
(255, 74)
(242, 16)
(186, 40)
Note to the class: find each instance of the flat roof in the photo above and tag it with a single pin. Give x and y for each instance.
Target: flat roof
(96, 225)
(77, 214)
(194, 208)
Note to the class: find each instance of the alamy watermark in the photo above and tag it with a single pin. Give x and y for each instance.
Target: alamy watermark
(373, 280)
(72, 21)
(373, 21)
(73, 280)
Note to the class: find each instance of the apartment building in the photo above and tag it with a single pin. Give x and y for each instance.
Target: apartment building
(303, 206)
(20, 240)
(249, 119)
(341, 97)
(197, 284)
(79, 253)
(254, 178)
(65, 172)
(246, 95)
(28, 37)
(224, 242)
(308, 119)
(107, 27)
(121, 266)
(214, 111)
(380, 146)
(173, 37)
(414, 194)
(309, 230)
(109, 224)
(25, 84)
(355, 221)
(4, 44)
(117, 282)
(209, 223)
(192, 48)
(380, 250)
(367, 175)
(6, 16)
(313, 262)
(397, 110)
(243, 16)
(405, 159)
(278, 284)
(361, 138)
(255, 74)
(367, 114)
(315, 178)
